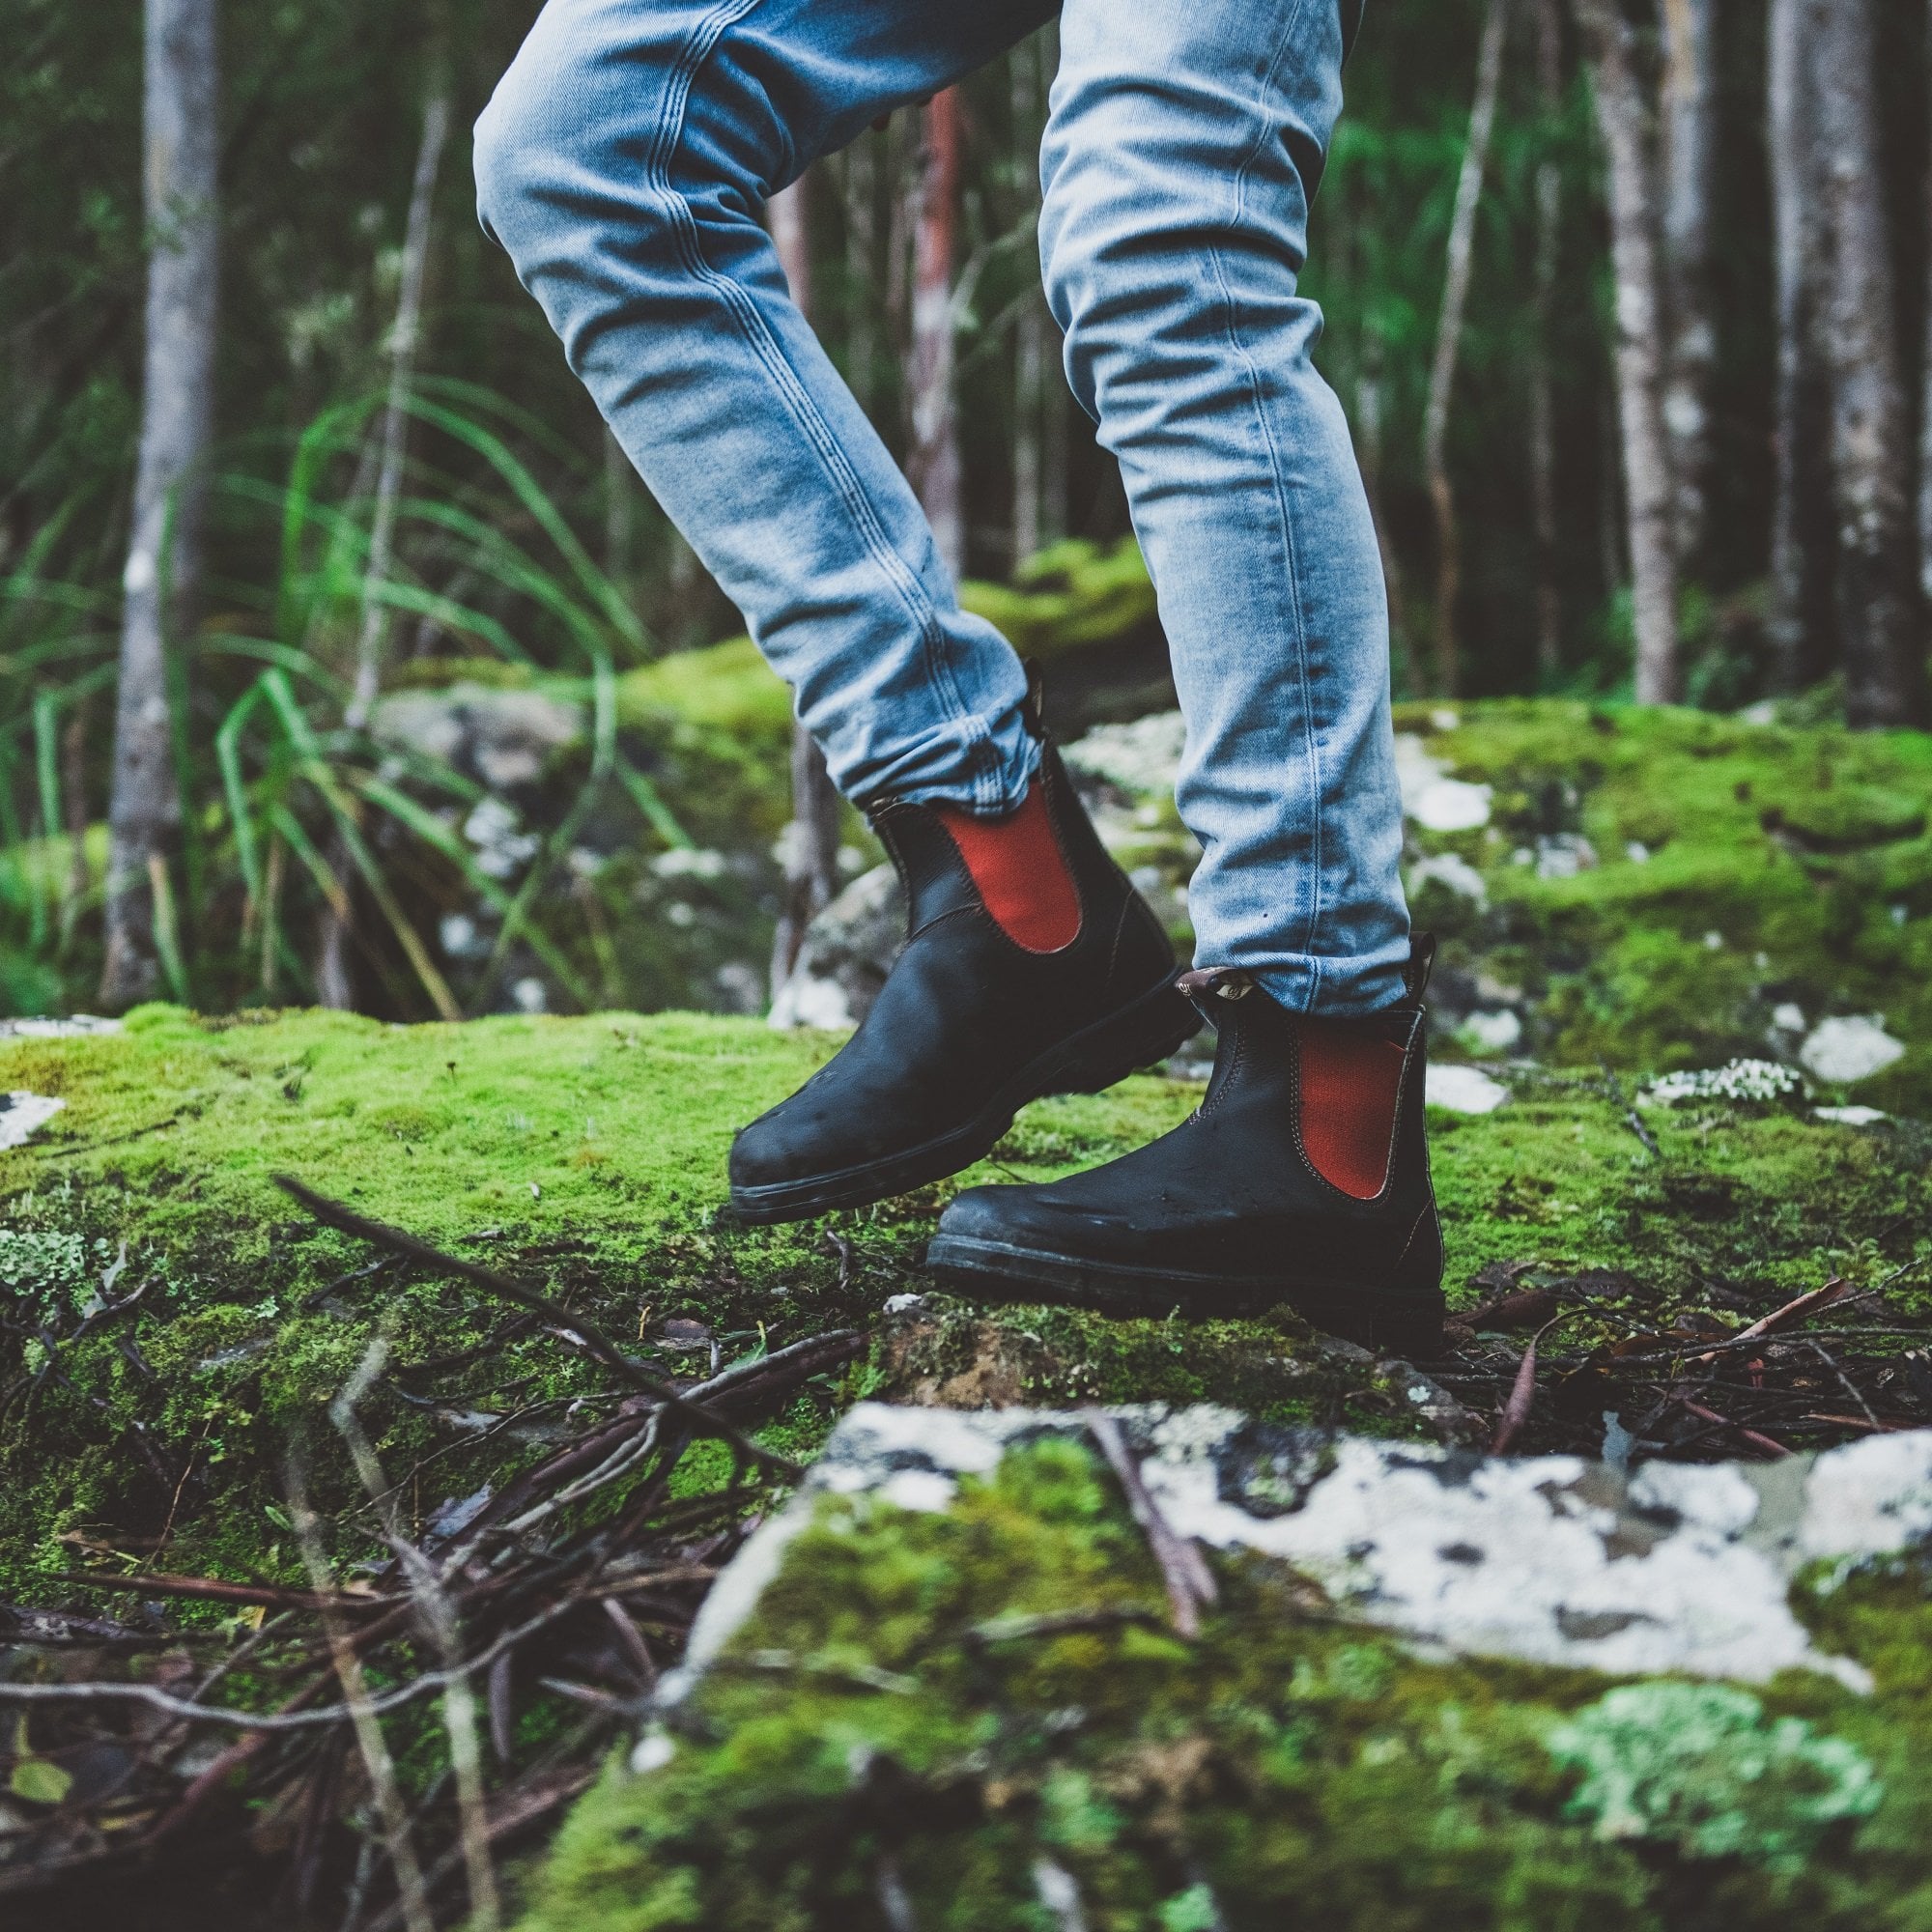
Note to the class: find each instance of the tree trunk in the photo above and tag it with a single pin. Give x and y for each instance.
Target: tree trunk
(1925, 397)
(1372, 450)
(334, 984)
(164, 556)
(859, 171)
(934, 463)
(1689, 165)
(1624, 119)
(1031, 377)
(812, 840)
(1542, 376)
(1449, 344)
(1800, 623)
(1870, 435)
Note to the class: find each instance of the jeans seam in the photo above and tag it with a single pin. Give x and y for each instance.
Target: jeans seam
(988, 780)
(1232, 309)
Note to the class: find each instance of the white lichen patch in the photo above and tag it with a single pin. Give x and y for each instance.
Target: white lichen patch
(23, 1115)
(1741, 1080)
(1679, 1570)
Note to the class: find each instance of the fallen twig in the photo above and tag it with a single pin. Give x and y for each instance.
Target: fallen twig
(333, 1215)
(1835, 1290)
(1770, 1444)
(1190, 1583)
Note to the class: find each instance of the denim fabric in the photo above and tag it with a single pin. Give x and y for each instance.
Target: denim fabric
(624, 163)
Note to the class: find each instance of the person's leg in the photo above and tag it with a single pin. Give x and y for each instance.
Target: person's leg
(1184, 145)
(1185, 142)
(624, 163)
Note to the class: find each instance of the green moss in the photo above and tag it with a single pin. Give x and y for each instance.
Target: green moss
(590, 1154)
(1773, 866)
(903, 1700)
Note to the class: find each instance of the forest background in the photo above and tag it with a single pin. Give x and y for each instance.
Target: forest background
(1627, 305)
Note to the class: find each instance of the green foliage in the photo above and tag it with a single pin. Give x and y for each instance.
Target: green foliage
(1699, 1767)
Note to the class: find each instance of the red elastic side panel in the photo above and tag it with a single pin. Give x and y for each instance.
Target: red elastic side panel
(1349, 1079)
(1017, 864)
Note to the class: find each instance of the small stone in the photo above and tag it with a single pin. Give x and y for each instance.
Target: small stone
(1435, 801)
(1843, 1050)
(1463, 1090)
(76, 1026)
(1454, 874)
(24, 1114)
(1491, 1033)
(1852, 1117)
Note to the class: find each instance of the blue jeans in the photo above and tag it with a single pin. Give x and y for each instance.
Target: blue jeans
(624, 162)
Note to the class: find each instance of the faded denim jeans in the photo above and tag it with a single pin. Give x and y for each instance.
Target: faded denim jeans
(624, 163)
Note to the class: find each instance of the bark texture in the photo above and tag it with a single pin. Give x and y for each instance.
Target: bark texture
(1548, 26)
(1690, 125)
(162, 578)
(934, 465)
(811, 840)
(1871, 446)
(1801, 619)
(1624, 117)
(1449, 344)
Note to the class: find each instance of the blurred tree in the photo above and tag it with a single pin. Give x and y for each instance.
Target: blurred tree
(1799, 621)
(163, 574)
(1449, 344)
(934, 465)
(812, 839)
(1689, 133)
(1624, 115)
(334, 981)
(1879, 640)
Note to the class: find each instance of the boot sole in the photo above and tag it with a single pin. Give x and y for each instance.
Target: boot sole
(1141, 1034)
(1395, 1320)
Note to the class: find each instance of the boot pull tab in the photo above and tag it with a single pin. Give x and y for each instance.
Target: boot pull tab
(1035, 700)
(1421, 965)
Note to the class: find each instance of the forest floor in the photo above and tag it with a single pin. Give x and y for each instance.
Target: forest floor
(588, 1156)
(1620, 898)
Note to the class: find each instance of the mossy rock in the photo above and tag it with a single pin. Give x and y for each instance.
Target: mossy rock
(590, 1156)
(964, 1705)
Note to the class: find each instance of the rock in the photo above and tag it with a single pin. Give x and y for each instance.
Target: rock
(848, 951)
(1491, 1035)
(1851, 1117)
(1430, 797)
(1463, 1090)
(1841, 1051)
(1563, 855)
(76, 1026)
(1681, 1569)
(23, 1115)
(1141, 759)
(1425, 1687)
(1454, 873)
(502, 738)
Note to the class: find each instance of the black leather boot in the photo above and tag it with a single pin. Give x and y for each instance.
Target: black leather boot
(1302, 1178)
(1032, 967)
